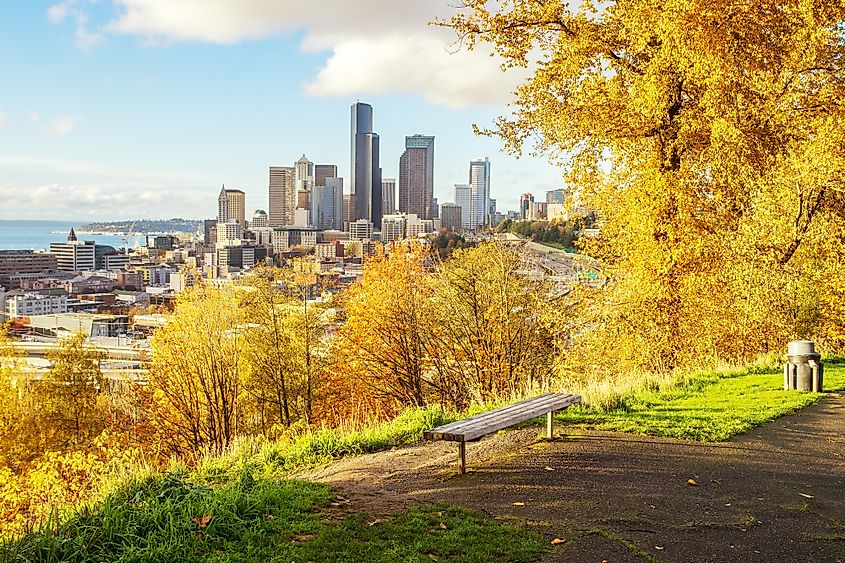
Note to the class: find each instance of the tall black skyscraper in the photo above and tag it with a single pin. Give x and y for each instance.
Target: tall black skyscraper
(365, 173)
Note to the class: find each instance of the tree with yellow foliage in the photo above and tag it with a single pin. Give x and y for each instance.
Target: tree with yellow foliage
(196, 371)
(709, 138)
(387, 337)
(67, 398)
(495, 340)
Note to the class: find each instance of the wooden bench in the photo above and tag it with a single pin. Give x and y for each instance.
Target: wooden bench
(476, 427)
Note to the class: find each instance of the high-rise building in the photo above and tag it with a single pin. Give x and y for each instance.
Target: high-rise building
(323, 171)
(556, 196)
(74, 255)
(525, 206)
(416, 176)
(463, 198)
(388, 196)
(348, 210)
(479, 181)
(450, 216)
(222, 206)
(236, 200)
(282, 196)
(327, 204)
(365, 173)
(304, 182)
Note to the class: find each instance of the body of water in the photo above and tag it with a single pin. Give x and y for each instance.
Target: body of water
(35, 235)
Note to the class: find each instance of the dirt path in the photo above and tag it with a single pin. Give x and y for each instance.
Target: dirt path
(776, 494)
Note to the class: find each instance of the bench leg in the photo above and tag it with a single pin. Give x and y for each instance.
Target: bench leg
(549, 416)
(462, 454)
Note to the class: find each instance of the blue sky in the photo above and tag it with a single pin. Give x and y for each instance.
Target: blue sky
(114, 109)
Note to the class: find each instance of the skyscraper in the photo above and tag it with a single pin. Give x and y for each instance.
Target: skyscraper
(222, 206)
(282, 196)
(388, 196)
(479, 181)
(304, 182)
(416, 176)
(323, 171)
(463, 198)
(327, 204)
(365, 174)
(236, 200)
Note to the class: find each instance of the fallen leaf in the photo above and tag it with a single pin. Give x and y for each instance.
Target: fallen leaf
(658, 547)
(202, 522)
(374, 522)
(716, 482)
(432, 557)
(519, 504)
(549, 468)
(442, 526)
(558, 541)
(806, 495)
(727, 504)
(692, 482)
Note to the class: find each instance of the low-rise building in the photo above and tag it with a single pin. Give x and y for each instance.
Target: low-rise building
(21, 304)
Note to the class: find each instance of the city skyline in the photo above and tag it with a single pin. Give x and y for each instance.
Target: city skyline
(113, 114)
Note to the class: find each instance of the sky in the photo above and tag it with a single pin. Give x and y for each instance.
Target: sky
(118, 109)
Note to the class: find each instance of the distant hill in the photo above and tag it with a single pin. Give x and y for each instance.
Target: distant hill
(143, 226)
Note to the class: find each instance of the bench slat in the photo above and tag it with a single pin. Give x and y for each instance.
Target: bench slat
(543, 401)
(493, 417)
(492, 421)
(477, 432)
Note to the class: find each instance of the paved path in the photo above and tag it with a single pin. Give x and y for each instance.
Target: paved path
(776, 494)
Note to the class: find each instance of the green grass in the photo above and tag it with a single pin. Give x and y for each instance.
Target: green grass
(278, 458)
(707, 407)
(161, 520)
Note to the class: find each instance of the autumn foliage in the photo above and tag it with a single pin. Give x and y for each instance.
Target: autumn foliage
(708, 139)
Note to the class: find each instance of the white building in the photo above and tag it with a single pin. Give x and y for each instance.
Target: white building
(229, 234)
(393, 227)
(463, 198)
(285, 238)
(20, 304)
(362, 229)
(479, 181)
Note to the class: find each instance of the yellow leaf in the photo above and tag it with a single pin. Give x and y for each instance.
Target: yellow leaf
(519, 504)
(442, 526)
(692, 482)
(558, 541)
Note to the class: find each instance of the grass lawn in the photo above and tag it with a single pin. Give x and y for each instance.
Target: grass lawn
(167, 518)
(710, 408)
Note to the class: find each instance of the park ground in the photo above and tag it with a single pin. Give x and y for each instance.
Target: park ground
(711, 468)
(773, 494)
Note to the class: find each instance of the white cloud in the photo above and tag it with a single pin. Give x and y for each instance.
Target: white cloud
(58, 12)
(63, 125)
(373, 46)
(34, 117)
(65, 201)
(84, 39)
(40, 188)
(413, 63)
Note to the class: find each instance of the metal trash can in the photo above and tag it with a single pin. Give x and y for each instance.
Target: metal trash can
(804, 370)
